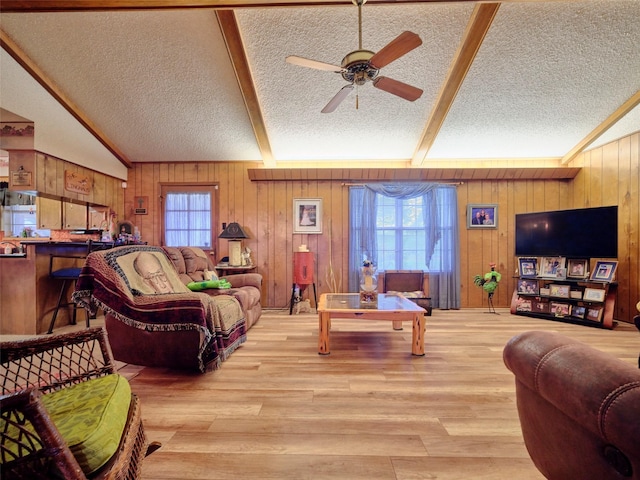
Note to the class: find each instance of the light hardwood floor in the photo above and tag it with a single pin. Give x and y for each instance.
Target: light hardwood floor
(278, 410)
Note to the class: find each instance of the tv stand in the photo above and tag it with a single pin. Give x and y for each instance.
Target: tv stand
(579, 301)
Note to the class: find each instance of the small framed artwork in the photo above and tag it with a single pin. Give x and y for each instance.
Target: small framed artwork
(528, 286)
(575, 294)
(528, 267)
(482, 215)
(577, 268)
(594, 295)
(578, 311)
(560, 291)
(545, 291)
(594, 313)
(560, 309)
(524, 305)
(550, 267)
(141, 205)
(540, 307)
(307, 215)
(604, 271)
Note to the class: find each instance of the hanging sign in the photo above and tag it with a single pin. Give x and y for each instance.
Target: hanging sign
(77, 183)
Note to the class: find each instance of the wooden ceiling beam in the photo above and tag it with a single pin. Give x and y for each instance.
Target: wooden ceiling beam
(478, 26)
(8, 6)
(238, 57)
(414, 174)
(39, 76)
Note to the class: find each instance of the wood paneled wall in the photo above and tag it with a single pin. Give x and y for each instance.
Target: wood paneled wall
(610, 175)
(264, 209)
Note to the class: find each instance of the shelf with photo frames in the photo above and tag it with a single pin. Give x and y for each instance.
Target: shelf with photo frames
(556, 288)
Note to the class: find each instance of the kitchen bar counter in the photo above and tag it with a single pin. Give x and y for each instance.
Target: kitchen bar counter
(27, 295)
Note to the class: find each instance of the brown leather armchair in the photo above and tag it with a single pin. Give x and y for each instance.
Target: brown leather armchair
(579, 407)
(414, 284)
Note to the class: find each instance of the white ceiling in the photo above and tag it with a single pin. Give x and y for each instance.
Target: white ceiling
(160, 85)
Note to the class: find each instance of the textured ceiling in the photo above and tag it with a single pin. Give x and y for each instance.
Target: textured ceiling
(161, 85)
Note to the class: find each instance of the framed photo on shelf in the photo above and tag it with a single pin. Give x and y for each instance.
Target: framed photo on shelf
(577, 268)
(528, 286)
(560, 291)
(524, 305)
(575, 294)
(528, 267)
(540, 307)
(578, 311)
(594, 313)
(604, 271)
(307, 215)
(550, 267)
(593, 295)
(481, 215)
(560, 309)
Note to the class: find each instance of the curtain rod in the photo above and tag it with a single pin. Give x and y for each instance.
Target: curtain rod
(345, 184)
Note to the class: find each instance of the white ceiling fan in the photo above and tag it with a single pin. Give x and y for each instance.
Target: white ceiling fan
(361, 66)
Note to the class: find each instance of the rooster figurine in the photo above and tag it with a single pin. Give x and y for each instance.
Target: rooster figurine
(489, 283)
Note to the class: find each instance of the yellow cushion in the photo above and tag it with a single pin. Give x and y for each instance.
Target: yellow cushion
(91, 417)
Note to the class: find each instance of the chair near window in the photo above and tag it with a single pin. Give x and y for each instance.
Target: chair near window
(66, 270)
(413, 284)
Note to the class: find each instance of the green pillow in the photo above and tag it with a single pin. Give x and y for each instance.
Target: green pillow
(204, 285)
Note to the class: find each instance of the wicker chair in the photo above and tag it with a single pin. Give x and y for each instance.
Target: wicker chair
(30, 444)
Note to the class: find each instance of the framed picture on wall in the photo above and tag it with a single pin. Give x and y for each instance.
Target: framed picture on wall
(307, 215)
(482, 215)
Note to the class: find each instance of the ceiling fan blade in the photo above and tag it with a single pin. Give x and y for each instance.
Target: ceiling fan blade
(337, 99)
(397, 88)
(402, 44)
(305, 62)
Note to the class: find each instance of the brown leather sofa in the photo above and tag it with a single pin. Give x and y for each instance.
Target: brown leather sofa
(191, 265)
(579, 407)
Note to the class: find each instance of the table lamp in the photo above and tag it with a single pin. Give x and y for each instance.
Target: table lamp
(234, 233)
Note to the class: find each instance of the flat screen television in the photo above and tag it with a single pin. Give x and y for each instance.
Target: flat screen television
(578, 233)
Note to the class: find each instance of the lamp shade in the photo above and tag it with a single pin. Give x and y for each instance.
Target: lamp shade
(233, 232)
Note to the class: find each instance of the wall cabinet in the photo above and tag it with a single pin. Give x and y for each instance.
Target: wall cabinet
(49, 213)
(74, 216)
(98, 217)
(582, 301)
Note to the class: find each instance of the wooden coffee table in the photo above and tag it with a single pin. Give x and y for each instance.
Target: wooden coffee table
(395, 308)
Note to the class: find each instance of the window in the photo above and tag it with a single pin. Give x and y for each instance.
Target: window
(400, 234)
(188, 216)
(400, 226)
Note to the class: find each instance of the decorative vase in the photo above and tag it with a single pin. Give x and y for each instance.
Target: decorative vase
(368, 285)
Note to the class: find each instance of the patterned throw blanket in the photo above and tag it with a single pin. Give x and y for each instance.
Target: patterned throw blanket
(139, 286)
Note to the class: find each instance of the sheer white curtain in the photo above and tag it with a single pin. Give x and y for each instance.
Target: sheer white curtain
(441, 233)
(188, 219)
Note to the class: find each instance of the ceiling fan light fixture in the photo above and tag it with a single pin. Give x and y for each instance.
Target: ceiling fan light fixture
(356, 67)
(361, 66)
